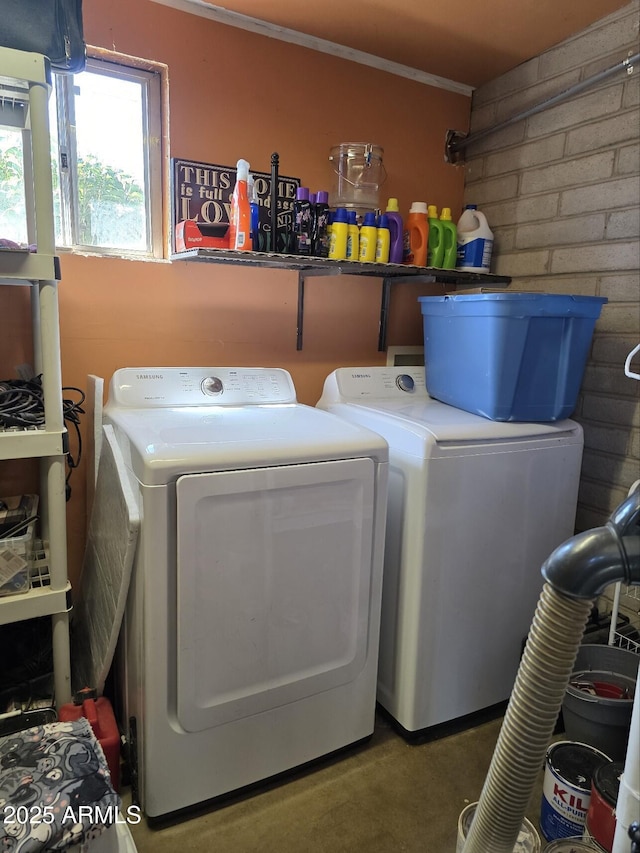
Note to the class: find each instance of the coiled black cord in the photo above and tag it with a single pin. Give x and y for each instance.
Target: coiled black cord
(71, 411)
(22, 405)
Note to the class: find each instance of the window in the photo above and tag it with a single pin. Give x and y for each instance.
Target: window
(106, 161)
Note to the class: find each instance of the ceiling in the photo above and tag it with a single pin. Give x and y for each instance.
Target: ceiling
(467, 41)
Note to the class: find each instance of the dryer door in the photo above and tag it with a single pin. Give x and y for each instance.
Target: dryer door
(273, 586)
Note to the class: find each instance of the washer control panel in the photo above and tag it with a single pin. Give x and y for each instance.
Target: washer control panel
(381, 383)
(200, 386)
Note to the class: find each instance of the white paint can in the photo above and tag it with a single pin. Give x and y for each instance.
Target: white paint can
(566, 791)
(572, 845)
(528, 840)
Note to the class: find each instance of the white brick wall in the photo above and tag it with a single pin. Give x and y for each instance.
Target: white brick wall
(561, 191)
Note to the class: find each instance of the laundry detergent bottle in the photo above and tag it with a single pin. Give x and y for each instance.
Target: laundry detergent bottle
(368, 238)
(474, 240)
(383, 240)
(416, 235)
(339, 234)
(449, 239)
(353, 237)
(435, 243)
(396, 236)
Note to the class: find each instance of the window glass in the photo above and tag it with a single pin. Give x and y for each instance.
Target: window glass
(13, 219)
(105, 161)
(111, 183)
(58, 210)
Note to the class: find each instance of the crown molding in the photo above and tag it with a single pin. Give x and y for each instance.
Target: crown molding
(264, 28)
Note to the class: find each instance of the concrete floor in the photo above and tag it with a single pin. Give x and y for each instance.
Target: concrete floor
(384, 797)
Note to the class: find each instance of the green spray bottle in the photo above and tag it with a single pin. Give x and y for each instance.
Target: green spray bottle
(435, 245)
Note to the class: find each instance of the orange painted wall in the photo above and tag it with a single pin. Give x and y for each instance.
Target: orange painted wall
(235, 94)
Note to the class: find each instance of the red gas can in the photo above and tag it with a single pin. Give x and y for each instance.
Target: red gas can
(103, 722)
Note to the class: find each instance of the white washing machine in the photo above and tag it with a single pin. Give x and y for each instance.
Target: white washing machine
(475, 507)
(250, 638)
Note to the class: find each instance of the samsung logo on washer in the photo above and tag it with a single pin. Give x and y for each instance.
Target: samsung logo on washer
(149, 376)
(361, 376)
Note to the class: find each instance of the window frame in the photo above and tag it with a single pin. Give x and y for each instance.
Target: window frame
(151, 76)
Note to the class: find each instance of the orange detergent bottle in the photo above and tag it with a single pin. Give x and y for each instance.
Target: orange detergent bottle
(416, 235)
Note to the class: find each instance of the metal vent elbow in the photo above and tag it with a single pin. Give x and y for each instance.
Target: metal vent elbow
(583, 566)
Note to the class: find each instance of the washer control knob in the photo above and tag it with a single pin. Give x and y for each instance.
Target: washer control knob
(406, 383)
(212, 386)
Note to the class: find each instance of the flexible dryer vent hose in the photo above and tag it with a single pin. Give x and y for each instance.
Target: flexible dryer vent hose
(541, 682)
(575, 574)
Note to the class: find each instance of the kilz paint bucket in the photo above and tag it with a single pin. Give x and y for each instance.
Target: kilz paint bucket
(566, 791)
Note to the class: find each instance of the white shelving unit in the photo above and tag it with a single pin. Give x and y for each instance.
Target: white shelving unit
(628, 600)
(25, 83)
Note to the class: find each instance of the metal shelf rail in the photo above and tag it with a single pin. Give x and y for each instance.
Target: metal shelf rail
(313, 267)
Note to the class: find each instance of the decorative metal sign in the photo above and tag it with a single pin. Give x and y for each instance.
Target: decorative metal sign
(202, 192)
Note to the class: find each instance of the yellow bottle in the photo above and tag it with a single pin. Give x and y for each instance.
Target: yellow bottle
(368, 238)
(339, 233)
(353, 237)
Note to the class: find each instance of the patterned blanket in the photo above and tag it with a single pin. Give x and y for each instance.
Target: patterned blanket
(55, 788)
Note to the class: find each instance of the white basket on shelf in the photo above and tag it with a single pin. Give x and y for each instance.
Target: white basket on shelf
(15, 551)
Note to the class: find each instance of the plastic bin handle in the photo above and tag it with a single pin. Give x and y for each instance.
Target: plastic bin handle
(627, 365)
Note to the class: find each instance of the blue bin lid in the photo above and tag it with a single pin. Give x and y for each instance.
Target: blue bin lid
(513, 304)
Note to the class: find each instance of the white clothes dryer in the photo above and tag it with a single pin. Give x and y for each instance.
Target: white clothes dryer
(250, 638)
(475, 507)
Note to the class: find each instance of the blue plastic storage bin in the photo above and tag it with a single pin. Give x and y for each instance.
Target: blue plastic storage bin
(508, 356)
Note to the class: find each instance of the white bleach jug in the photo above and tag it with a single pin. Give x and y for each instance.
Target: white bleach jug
(475, 241)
